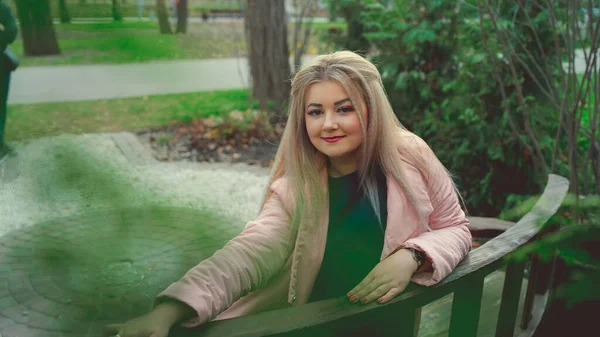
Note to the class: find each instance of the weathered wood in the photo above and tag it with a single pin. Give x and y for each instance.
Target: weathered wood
(510, 300)
(132, 148)
(530, 294)
(481, 223)
(479, 263)
(466, 309)
(494, 250)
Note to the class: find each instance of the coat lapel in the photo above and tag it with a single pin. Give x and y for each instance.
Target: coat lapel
(309, 251)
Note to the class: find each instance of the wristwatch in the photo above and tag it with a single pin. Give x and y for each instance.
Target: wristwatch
(418, 256)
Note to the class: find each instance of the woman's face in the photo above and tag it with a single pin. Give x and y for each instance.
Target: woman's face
(332, 122)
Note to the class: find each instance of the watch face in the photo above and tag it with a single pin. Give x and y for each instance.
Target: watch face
(419, 256)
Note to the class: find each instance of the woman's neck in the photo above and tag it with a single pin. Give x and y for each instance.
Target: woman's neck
(338, 168)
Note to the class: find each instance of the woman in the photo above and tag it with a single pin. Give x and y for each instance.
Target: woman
(8, 33)
(351, 192)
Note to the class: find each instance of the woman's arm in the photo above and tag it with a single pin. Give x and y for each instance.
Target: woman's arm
(449, 240)
(8, 28)
(246, 262)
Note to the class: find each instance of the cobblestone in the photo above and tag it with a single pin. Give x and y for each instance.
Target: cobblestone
(71, 262)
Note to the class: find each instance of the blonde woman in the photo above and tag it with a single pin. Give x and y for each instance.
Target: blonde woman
(356, 206)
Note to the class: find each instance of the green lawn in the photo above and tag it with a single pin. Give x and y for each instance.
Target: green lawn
(139, 41)
(103, 8)
(50, 119)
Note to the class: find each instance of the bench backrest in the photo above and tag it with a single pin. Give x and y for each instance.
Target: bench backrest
(466, 282)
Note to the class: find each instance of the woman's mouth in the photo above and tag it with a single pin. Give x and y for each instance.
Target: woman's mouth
(332, 139)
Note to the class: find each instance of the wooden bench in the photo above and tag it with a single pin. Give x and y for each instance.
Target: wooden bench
(396, 318)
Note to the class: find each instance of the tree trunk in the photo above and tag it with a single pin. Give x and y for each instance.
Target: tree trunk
(37, 29)
(182, 16)
(305, 11)
(163, 17)
(64, 12)
(116, 10)
(268, 53)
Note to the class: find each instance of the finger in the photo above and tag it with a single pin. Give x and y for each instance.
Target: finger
(390, 295)
(376, 293)
(112, 329)
(368, 289)
(354, 294)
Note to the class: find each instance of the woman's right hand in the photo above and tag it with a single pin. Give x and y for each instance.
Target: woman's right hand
(149, 325)
(154, 324)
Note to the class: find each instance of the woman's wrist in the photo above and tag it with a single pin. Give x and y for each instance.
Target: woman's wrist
(408, 260)
(173, 311)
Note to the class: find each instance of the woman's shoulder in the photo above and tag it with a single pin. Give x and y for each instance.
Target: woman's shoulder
(279, 185)
(414, 149)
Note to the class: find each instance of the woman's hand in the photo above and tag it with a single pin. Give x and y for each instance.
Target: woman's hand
(149, 325)
(388, 279)
(154, 324)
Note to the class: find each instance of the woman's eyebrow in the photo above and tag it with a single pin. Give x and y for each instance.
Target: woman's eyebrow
(334, 103)
(341, 101)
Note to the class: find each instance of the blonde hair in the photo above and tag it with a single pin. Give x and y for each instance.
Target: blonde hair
(300, 162)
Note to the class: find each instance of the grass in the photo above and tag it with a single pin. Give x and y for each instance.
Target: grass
(103, 8)
(27, 121)
(139, 41)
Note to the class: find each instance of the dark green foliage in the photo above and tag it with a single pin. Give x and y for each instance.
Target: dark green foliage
(350, 10)
(441, 84)
(575, 240)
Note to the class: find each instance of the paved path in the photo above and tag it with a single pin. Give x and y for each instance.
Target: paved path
(89, 82)
(74, 260)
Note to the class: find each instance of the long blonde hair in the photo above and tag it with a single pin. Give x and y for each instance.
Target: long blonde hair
(300, 162)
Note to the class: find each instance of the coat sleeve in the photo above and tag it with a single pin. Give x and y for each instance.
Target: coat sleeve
(9, 34)
(448, 239)
(247, 261)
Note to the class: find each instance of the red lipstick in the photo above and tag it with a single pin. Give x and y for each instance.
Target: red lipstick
(332, 139)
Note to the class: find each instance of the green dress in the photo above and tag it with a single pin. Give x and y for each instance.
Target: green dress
(354, 238)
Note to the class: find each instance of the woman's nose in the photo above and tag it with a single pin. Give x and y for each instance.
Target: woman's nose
(330, 122)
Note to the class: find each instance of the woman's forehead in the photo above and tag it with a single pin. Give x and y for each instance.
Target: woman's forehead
(326, 92)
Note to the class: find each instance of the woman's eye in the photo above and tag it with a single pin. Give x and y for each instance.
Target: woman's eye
(314, 112)
(346, 109)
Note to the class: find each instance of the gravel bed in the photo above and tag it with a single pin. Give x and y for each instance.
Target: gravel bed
(66, 175)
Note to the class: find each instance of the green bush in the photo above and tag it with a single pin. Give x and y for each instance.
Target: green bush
(441, 84)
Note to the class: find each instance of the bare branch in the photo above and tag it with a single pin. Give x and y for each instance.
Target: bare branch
(540, 161)
(500, 82)
(548, 72)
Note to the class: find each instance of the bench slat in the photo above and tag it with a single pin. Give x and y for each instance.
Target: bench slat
(507, 318)
(466, 308)
(478, 264)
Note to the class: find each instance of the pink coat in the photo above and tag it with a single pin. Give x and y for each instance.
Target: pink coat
(270, 266)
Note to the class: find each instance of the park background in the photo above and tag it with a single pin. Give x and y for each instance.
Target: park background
(504, 93)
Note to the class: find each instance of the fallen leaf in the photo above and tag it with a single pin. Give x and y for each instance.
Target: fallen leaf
(236, 115)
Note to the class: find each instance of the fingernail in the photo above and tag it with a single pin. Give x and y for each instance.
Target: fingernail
(380, 300)
(353, 299)
(364, 300)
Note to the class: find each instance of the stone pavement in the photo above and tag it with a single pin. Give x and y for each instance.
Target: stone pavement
(91, 230)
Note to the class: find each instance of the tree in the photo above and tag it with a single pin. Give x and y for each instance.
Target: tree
(351, 11)
(572, 95)
(37, 30)
(163, 17)
(182, 16)
(268, 54)
(116, 10)
(64, 12)
(305, 11)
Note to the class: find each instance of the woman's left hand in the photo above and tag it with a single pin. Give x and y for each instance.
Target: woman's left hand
(388, 279)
